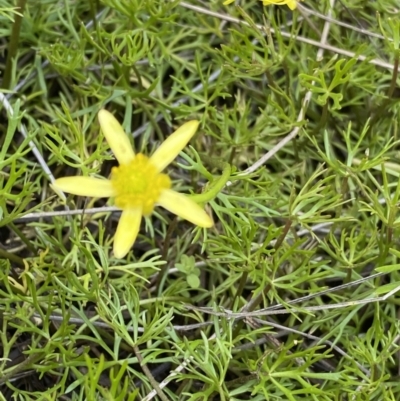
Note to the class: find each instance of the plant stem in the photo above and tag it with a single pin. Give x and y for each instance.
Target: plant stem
(148, 374)
(164, 269)
(13, 45)
(11, 257)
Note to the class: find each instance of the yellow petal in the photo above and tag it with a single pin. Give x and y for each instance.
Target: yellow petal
(171, 147)
(184, 207)
(292, 4)
(85, 186)
(127, 231)
(116, 137)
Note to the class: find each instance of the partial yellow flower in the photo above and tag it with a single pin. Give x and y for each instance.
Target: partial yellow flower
(138, 183)
(292, 4)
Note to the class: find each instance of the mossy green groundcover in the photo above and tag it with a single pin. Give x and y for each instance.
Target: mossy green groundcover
(274, 275)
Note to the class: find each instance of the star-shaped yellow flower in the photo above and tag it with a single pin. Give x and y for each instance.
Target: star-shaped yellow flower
(292, 4)
(138, 183)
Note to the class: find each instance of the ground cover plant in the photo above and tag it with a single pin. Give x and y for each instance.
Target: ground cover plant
(285, 287)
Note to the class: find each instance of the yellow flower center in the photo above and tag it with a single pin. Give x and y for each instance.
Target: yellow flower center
(138, 184)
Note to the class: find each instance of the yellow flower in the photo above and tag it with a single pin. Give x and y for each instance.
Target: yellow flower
(292, 4)
(138, 183)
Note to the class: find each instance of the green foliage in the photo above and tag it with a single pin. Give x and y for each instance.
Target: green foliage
(188, 267)
(316, 83)
(292, 294)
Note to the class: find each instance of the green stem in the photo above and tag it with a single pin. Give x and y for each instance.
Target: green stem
(283, 235)
(11, 257)
(214, 188)
(164, 269)
(250, 307)
(148, 374)
(23, 238)
(393, 82)
(93, 8)
(13, 45)
(274, 86)
(23, 366)
(242, 284)
(386, 102)
(324, 118)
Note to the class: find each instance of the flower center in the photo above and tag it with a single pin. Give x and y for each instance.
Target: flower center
(138, 184)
